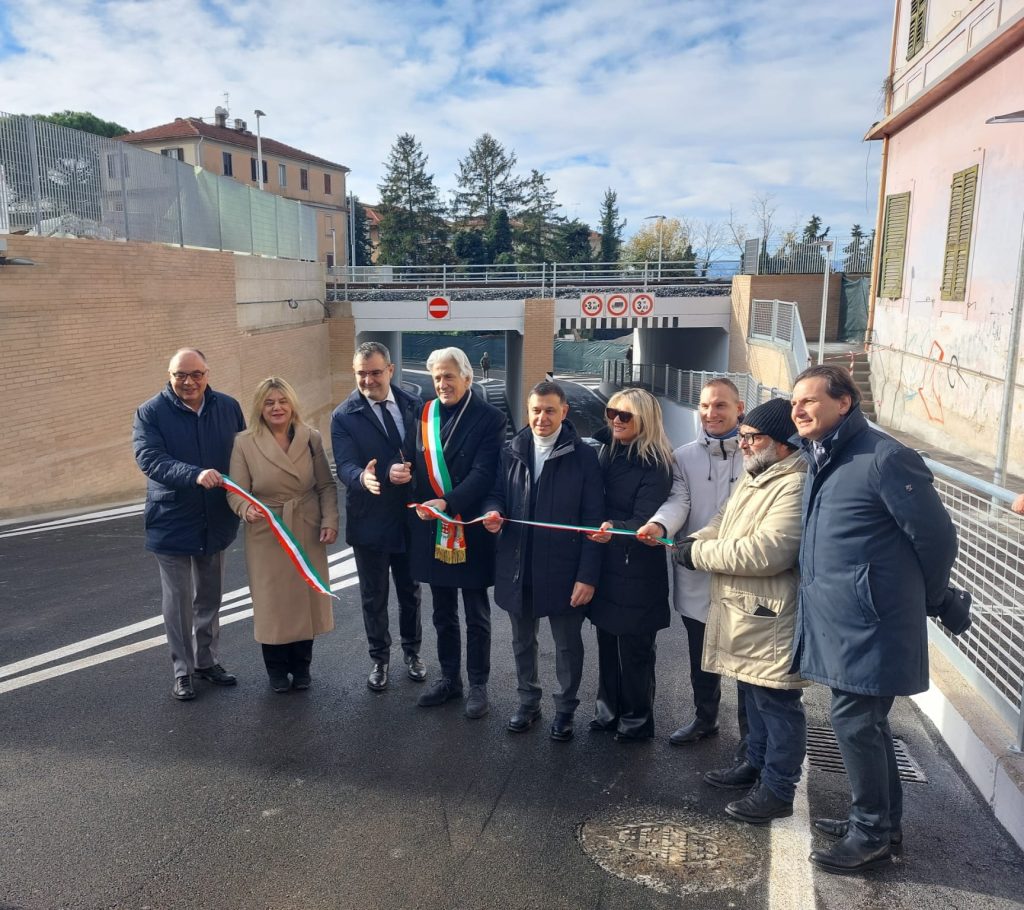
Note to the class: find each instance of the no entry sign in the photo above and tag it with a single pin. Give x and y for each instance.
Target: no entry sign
(439, 307)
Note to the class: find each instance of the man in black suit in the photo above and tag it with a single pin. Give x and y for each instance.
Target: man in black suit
(456, 462)
(373, 433)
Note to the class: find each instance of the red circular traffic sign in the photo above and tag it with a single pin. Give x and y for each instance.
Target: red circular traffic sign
(439, 307)
(592, 304)
(643, 304)
(617, 304)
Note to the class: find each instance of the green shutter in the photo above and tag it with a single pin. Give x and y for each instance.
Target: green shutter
(894, 245)
(915, 35)
(958, 234)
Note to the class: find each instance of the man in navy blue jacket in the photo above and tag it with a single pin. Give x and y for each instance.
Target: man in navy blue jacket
(876, 551)
(182, 439)
(546, 474)
(373, 432)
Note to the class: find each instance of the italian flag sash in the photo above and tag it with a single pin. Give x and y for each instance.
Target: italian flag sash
(450, 542)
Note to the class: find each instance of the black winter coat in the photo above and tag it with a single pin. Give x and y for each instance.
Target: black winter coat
(632, 595)
(877, 548)
(471, 455)
(569, 491)
(173, 446)
(357, 436)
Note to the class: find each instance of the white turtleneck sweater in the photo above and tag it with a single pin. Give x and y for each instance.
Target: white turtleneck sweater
(543, 446)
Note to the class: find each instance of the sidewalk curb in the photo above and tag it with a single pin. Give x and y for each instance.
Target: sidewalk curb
(979, 739)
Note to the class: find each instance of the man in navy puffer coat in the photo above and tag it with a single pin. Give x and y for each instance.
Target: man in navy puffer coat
(183, 438)
(876, 550)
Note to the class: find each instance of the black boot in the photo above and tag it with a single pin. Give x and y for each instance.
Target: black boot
(741, 776)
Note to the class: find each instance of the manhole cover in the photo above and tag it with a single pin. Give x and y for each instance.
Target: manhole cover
(823, 753)
(681, 854)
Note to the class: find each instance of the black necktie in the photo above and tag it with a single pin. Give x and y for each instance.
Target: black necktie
(394, 437)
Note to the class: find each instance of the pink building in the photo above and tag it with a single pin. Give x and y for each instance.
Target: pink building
(951, 224)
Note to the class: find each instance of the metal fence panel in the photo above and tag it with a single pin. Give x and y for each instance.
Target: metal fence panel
(58, 181)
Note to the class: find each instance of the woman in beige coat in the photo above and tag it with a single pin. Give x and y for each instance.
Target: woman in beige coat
(281, 461)
(750, 548)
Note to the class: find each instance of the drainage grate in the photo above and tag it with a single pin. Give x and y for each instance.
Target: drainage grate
(823, 754)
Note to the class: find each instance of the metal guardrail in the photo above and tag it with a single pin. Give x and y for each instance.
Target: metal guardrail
(990, 562)
(546, 275)
(56, 181)
(786, 254)
(778, 322)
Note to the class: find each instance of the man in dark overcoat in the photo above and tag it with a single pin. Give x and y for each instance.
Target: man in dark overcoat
(546, 474)
(457, 448)
(182, 438)
(373, 433)
(876, 551)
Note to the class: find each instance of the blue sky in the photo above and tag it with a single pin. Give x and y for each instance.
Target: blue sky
(684, 107)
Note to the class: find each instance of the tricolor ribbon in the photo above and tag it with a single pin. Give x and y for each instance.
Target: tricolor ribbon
(581, 529)
(284, 537)
(450, 540)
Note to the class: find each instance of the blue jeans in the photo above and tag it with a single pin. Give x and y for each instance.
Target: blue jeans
(862, 730)
(777, 738)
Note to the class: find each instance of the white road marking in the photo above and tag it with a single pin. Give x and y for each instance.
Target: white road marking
(73, 521)
(232, 600)
(790, 882)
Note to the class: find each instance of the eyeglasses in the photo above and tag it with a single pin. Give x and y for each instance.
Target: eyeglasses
(370, 374)
(750, 438)
(195, 375)
(612, 413)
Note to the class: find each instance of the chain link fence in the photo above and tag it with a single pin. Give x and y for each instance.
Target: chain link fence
(59, 182)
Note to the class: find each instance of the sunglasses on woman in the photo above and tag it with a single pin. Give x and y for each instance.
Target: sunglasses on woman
(623, 416)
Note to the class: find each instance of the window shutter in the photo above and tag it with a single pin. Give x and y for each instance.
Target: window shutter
(915, 36)
(958, 234)
(894, 245)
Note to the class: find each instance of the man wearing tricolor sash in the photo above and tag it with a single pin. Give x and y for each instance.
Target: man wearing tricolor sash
(457, 448)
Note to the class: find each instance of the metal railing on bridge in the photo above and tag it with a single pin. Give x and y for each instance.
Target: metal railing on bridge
(990, 562)
(56, 181)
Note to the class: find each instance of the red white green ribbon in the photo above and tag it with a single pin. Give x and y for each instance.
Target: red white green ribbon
(285, 538)
(581, 529)
(450, 542)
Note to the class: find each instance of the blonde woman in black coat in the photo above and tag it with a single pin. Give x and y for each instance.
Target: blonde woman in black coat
(631, 602)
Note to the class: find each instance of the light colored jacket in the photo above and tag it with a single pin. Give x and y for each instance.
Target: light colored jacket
(751, 549)
(703, 475)
(297, 486)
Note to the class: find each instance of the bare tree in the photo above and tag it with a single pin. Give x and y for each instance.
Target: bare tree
(708, 237)
(738, 231)
(763, 207)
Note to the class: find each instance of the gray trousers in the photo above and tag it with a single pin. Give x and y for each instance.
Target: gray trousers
(192, 588)
(566, 630)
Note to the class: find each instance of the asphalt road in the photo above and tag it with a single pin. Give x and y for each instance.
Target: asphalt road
(114, 795)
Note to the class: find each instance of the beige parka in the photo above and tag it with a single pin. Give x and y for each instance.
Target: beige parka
(751, 548)
(298, 487)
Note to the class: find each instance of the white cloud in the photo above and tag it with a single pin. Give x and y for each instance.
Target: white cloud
(681, 106)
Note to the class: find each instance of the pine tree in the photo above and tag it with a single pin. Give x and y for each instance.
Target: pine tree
(363, 249)
(470, 247)
(498, 238)
(611, 228)
(487, 180)
(537, 220)
(572, 242)
(813, 231)
(412, 226)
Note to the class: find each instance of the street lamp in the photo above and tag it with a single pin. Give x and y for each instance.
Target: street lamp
(661, 237)
(826, 247)
(259, 149)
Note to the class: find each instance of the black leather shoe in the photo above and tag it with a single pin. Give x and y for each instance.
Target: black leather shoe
(476, 702)
(417, 669)
(301, 681)
(561, 727)
(524, 718)
(759, 807)
(442, 690)
(279, 682)
(182, 689)
(837, 827)
(849, 856)
(378, 678)
(217, 675)
(741, 776)
(693, 732)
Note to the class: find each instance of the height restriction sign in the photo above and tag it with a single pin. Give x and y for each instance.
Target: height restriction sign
(592, 304)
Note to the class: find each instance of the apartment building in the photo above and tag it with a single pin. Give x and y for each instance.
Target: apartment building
(230, 150)
(950, 248)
